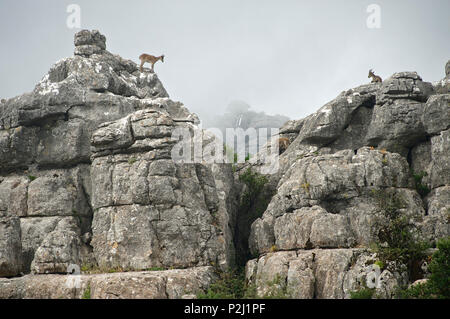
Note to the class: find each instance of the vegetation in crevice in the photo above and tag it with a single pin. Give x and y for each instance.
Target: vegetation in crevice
(421, 188)
(254, 201)
(398, 238)
(438, 284)
(87, 293)
(230, 284)
(362, 293)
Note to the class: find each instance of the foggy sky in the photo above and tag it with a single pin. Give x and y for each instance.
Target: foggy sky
(281, 57)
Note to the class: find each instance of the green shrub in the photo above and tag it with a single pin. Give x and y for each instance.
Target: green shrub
(31, 178)
(363, 293)
(440, 268)
(255, 183)
(422, 189)
(229, 285)
(438, 285)
(397, 236)
(87, 293)
(253, 203)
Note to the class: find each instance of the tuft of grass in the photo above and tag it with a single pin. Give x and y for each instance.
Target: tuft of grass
(87, 293)
(229, 285)
(421, 188)
(273, 248)
(31, 178)
(363, 293)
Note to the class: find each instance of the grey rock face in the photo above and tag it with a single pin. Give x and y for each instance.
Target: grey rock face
(326, 125)
(59, 249)
(397, 126)
(436, 115)
(436, 224)
(149, 210)
(10, 245)
(336, 191)
(319, 273)
(404, 85)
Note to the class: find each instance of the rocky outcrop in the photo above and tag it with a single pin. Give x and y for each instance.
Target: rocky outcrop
(372, 146)
(86, 178)
(149, 210)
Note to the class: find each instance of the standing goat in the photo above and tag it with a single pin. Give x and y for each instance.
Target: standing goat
(150, 59)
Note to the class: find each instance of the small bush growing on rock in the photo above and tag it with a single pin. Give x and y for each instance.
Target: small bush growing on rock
(255, 183)
(229, 285)
(87, 293)
(254, 201)
(363, 293)
(422, 189)
(397, 236)
(438, 285)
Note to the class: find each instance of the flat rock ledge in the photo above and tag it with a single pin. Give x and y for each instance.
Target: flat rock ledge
(163, 284)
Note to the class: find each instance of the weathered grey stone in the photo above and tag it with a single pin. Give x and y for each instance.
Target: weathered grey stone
(440, 154)
(94, 37)
(396, 126)
(321, 273)
(292, 126)
(404, 85)
(113, 135)
(59, 249)
(436, 224)
(325, 126)
(344, 185)
(17, 147)
(436, 114)
(10, 245)
(14, 195)
(64, 143)
(46, 235)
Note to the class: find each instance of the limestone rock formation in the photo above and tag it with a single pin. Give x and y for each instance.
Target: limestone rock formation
(373, 146)
(88, 181)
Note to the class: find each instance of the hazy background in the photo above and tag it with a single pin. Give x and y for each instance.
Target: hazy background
(280, 57)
